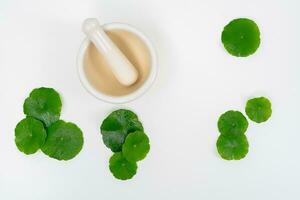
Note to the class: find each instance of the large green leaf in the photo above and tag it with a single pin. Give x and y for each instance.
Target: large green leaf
(121, 168)
(43, 104)
(136, 146)
(30, 135)
(117, 126)
(241, 37)
(64, 141)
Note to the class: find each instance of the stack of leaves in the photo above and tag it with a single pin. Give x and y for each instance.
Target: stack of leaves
(42, 129)
(123, 133)
(232, 144)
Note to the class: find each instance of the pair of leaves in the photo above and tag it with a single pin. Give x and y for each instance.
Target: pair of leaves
(117, 126)
(122, 132)
(241, 37)
(135, 148)
(232, 144)
(42, 129)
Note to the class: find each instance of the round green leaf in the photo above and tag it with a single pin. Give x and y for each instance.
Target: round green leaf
(259, 109)
(241, 37)
(232, 147)
(43, 104)
(30, 135)
(232, 123)
(64, 141)
(136, 146)
(121, 168)
(117, 126)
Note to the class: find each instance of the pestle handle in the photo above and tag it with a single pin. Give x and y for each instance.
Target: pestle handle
(121, 67)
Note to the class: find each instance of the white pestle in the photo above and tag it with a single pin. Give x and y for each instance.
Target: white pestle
(121, 67)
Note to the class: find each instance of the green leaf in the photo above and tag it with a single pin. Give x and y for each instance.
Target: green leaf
(43, 104)
(117, 126)
(121, 168)
(64, 141)
(30, 135)
(259, 109)
(136, 146)
(232, 123)
(232, 147)
(241, 37)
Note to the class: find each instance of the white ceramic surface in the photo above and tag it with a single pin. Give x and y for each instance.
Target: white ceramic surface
(197, 81)
(125, 98)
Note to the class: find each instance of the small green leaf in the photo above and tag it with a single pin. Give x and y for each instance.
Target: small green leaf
(259, 109)
(43, 104)
(30, 135)
(117, 126)
(121, 168)
(232, 123)
(241, 37)
(232, 147)
(136, 146)
(64, 141)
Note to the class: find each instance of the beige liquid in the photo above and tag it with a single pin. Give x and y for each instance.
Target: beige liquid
(100, 76)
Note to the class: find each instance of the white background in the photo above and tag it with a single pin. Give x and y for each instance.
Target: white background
(198, 80)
